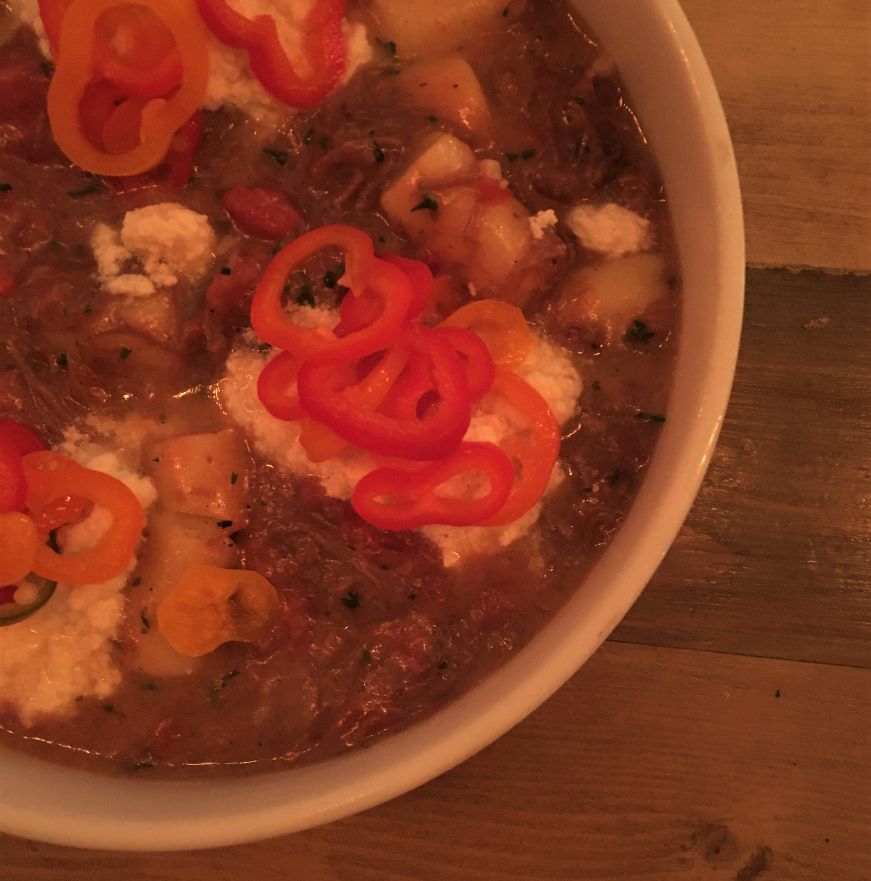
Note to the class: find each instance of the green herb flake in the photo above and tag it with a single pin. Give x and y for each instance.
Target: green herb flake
(613, 477)
(332, 276)
(366, 656)
(124, 353)
(527, 154)
(427, 203)
(351, 600)
(277, 156)
(650, 417)
(308, 136)
(443, 665)
(639, 332)
(225, 524)
(5, 188)
(389, 46)
(62, 361)
(777, 693)
(412, 596)
(88, 309)
(505, 12)
(377, 152)
(88, 190)
(142, 765)
(136, 581)
(326, 142)
(596, 385)
(146, 624)
(306, 295)
(234, 478)
(225, 270)
(156, 459)
(111, 709)
(264, 347)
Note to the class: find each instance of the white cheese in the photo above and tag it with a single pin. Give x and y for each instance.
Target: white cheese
(162, 242)
(66, 649)
(610, 229)
(549, 369)
(543, 221)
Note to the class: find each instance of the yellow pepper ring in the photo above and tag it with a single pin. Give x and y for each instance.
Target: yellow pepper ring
(503, 328)
(161, 118)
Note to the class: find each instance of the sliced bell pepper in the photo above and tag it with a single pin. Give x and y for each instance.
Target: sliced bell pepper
(136, 51)
(177, 167)
(413, 390)
(51, 476)
(276, 387)
(363, 273)
(161, 117)
(324, 52)
(434, 435)
(61, 512)
(18, 543)
(396, 498)
(534, 448)
(368, 393)
(210, 606)
(480, 370)
(358, 312)
(503, 328)
(16, 440)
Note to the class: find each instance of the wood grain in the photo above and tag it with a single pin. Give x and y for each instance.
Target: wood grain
(795, 78)
(651, 765)
(776, 554)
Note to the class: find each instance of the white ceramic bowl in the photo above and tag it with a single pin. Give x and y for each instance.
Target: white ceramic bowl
(672, 90)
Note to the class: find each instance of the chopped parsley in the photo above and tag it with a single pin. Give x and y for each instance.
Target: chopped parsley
(443, 665)
(525, 154)
(88, 190)
(234, 478)
(377, 152)
(650, 417)
(326, 142)
(278, 156)
(136, 582)
(351, 600)
(432, 118)
(5, 188)
(62, 361)
(88, 309)
(332, 276)
(146, 624)
(142, 765)
(308, 136)
(306, 295)
(389, 46)
(639, 332)
(366, 656)
(225, 524)
(225, 270)
(427, 203)
(124, 353)
(412, 596)
(614, 476)
(110, 708)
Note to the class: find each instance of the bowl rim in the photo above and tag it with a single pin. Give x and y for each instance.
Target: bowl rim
(281, 802)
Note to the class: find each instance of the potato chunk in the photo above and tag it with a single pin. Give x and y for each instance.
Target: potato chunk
(471, 221)
(450, 89)
(204, 475)
(175, 541)
(427, 27)
(603, 300)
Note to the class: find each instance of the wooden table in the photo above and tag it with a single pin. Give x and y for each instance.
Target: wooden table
(722, 733)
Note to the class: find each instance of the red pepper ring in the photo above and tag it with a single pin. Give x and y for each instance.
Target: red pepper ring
(363, 273)
(276, 387)
(325, 54)
(435, 435)
(420, 276)
(16, 440)
(480, 369)
(535, 448)
(396, 498)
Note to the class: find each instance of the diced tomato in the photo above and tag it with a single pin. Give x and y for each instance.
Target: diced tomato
(263, 212)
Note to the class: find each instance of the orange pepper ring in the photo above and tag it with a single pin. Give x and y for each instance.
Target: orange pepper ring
(160, 118)
(537, 455)
(52, 475)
